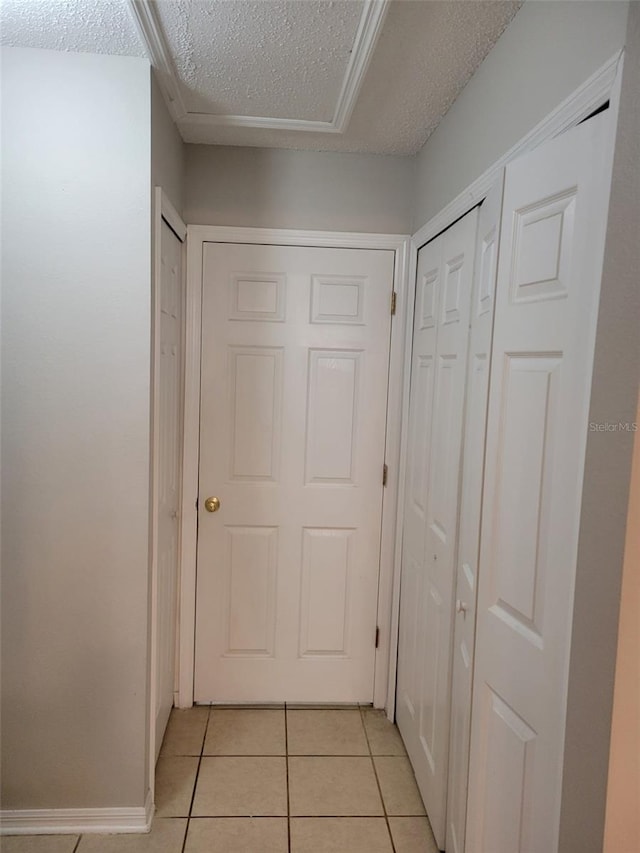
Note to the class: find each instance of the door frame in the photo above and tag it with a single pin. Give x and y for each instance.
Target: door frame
(163, 211)
(197, 235)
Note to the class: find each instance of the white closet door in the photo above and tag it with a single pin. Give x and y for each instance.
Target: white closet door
(169, 470)
(549, 271)
(295, 365)
(445, 271)
(482, 311)
(411, 639)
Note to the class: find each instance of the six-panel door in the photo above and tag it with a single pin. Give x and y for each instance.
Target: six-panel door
(549, 269)
(295, 361)
(439, 366)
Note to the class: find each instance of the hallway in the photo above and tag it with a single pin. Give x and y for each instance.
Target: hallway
(270, 780)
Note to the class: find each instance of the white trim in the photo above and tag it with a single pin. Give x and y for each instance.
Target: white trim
(584, 100)
(162, 210)
(195, 120)
(171, 215)
(150, 30)
(409, 308)
(289, 237)
(369, 28)
(191, 439)
(77, 821)
(197, 235)
(384, 690)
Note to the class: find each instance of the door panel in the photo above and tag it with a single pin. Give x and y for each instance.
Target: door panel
(549, 270)
(169, 472)
(333, 385)
(295, 361)
(482, 309)
(255, 409)
(248, 594)
(441, 333)
(326, 573)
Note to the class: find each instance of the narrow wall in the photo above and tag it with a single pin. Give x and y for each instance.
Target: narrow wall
(622, 826)
(279, 188)
(167, 150)
(75, 429)
(545, 53)
(614, 395)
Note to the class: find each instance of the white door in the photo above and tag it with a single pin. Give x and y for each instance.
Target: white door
(482, 310)
(441, 337)
(549, 271)
(295, 363)
(169, 468)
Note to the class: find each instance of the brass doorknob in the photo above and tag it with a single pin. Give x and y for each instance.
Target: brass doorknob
(212, 504)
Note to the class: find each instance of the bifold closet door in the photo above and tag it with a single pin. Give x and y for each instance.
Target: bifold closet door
(468, 551)
(439, 362)
(549, 270)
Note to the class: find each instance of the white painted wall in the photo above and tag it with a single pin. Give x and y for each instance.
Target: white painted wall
(75, 429)
(277, 188)
(545, 53)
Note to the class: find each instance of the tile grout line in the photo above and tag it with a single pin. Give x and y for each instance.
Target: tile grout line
(286, 758)
(294, 755)
(77, 844)
(306, 816)
(195, 782)
(375, 773)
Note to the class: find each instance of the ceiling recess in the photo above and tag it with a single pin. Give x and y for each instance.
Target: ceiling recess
(368, 30)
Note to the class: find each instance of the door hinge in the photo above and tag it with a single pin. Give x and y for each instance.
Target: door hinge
(393, 302)
(377, 636)
(385, 474)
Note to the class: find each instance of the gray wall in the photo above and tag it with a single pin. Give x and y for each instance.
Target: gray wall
(547, 51)
(614, 397)
(75, 429)
(167, 150)
(271, 188)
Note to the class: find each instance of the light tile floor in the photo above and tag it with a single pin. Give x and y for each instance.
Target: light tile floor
(288, 779)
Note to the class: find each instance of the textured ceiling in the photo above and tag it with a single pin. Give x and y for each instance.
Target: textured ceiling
(287, 59)
(424, 57)
(84, 26)
(283, 58)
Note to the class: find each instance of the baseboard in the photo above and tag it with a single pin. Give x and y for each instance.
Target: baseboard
(76, 821)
